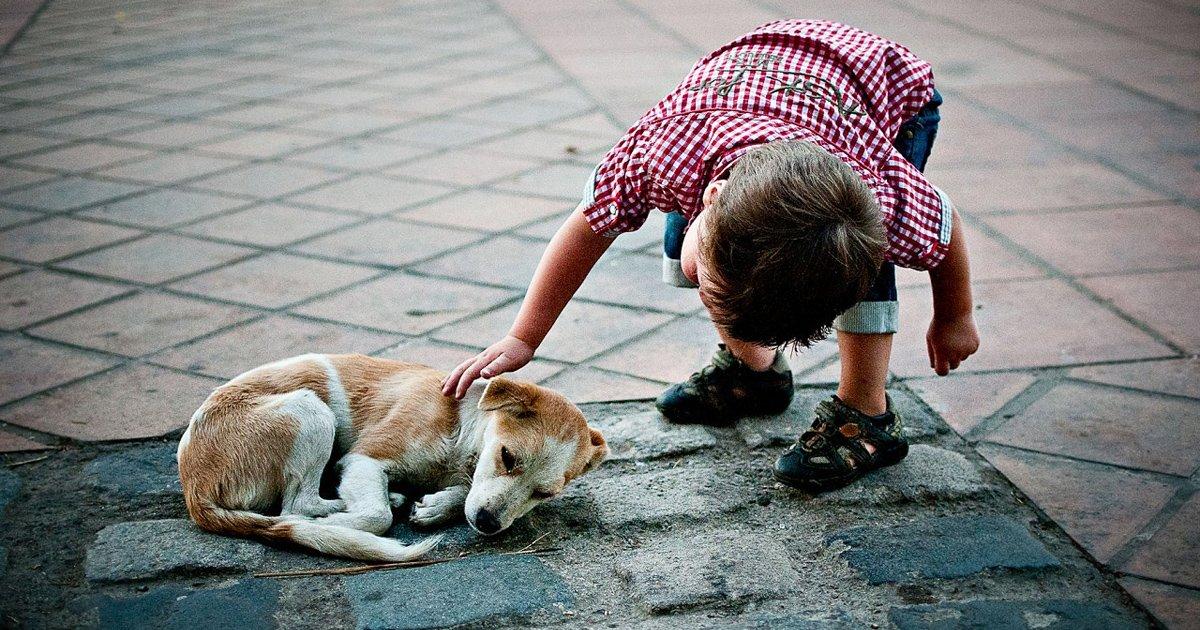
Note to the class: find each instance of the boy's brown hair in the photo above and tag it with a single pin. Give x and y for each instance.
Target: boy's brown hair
(794, 239)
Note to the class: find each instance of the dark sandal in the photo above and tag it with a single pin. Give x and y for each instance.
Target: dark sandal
(833, 452)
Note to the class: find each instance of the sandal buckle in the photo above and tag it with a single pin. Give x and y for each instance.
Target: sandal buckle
(849, 430)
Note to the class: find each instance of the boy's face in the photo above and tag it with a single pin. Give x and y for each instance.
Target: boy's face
(691, 261)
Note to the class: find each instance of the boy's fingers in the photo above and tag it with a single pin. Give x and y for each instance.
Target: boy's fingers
(472, 373)
(497, 366)
(451, 382)
(932, 353)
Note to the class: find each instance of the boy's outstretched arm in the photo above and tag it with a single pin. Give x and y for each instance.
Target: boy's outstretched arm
(952, 336)
(571, 254)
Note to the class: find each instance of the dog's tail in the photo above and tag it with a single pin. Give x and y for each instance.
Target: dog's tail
(334, 540)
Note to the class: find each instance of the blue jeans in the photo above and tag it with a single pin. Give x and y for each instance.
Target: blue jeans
(878, 312)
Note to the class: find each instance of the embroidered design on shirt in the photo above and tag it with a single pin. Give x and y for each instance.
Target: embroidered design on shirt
(791, 82)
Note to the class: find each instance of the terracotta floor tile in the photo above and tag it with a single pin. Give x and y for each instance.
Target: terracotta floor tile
(563, 181)
(502, 260)
(1104, 425)
(466, 167)
(167, 168)
(669, 354)
(1176, 608)
(448, 132)
(1103, 241)
(59, 238)
(1180, 377)
(141, 323)
(445, 357)
(1171, 554)
(966, 400)
(152, 401)
(583, 329)
(68, 193)
(88, 156)
(261, 144)
(486, 210)
(586, 384)
(37, 295)
(371, 194)
(178, 134)
(265, 181)
(163, 208)
(274, 280)
(12, 177)
(28, 366)
(1101, 507)
(405, 303)
(386, 241)
(269, 225)
(1163, 301)
(156, 258)
(355, 155)
(989, 261)
(244, 347)
(544, 143)
(13, 443)
(636, 280)
(1033, 187)
(1174, 172)
(1024, 324)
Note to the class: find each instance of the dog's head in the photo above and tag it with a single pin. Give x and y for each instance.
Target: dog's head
(536, 442)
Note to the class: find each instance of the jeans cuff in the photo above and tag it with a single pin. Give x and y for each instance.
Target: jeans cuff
(869, 317)
(672, 273)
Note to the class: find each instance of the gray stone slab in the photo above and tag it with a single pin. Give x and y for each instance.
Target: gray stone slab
(686, 494)
(781, 430)
(691, 571)
(836, 620)
(919, 422)
(246, 605)
(946, 547)
(144, 550)
(1044, 614)
(149, 471)
(3, 562)
(10, 487)
(646, 435)
(479, 589)
(928, 473)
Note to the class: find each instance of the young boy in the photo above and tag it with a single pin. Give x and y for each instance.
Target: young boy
(790, 160)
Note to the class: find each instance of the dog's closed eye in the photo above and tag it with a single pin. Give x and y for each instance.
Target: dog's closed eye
(507, 458)
(542, 495)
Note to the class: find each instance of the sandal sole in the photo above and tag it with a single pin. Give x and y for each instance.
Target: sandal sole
(815, 486)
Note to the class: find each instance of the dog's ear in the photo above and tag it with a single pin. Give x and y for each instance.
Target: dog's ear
(510, 396)
(599, 449)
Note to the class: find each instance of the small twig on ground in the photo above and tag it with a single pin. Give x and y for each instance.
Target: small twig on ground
(408, 564)
(28, 461)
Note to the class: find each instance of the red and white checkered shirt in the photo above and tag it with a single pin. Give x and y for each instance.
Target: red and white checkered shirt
(841, 88)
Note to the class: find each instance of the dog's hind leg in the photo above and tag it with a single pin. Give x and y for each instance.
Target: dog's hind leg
(364, 487)
(311, 450)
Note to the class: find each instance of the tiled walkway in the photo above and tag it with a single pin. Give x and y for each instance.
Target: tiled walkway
(187, 192)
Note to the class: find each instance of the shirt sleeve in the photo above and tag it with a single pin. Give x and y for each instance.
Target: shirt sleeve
(918, 221)
(615, 198)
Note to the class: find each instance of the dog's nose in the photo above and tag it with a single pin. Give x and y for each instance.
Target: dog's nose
(486, 522)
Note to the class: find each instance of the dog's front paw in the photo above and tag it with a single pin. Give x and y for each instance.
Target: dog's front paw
(436, 509)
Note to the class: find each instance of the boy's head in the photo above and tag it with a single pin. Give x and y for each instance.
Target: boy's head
(792, 239)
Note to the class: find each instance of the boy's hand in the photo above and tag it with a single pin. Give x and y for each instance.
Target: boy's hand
(950, 341)
(505, 355)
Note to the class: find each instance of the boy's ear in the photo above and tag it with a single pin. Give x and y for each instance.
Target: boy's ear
(502, 393)
(599, 450)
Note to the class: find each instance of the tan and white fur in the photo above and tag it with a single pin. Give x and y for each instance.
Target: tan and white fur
(260, 443)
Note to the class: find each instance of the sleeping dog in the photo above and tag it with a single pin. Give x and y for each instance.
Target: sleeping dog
(260, 443)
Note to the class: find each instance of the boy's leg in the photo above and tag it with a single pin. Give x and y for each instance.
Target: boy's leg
(742, 379)
(857, 431)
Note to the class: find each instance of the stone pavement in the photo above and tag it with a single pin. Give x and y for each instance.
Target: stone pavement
(190, 190)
